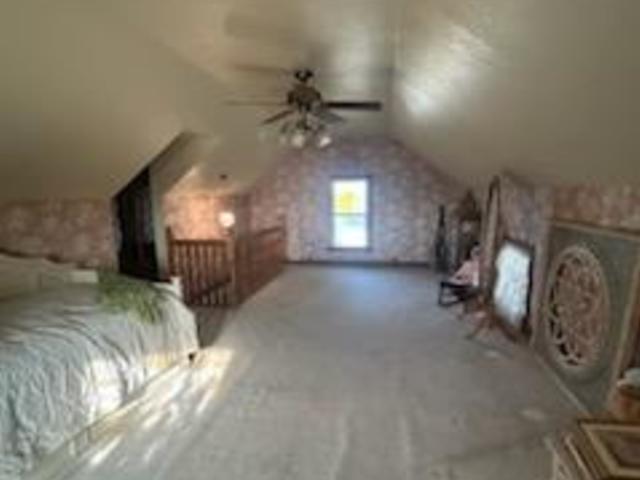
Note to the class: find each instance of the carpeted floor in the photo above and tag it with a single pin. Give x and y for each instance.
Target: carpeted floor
(210, 323)
(341, 374)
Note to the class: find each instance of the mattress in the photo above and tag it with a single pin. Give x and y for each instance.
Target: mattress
(66, 361)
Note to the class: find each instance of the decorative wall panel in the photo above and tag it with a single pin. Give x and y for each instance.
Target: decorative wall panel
(615, 207)
(577, 311)
(77, 231)
(406, 195)
(585, 307)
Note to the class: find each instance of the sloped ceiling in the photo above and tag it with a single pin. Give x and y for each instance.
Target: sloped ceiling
(92, 90)
(546, 88)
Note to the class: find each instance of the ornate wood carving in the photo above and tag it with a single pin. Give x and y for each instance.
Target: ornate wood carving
(577, 311)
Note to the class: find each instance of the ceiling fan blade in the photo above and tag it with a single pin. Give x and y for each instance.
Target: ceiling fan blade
(327, 115)
(255, 103)
(278, 116)
(372, 106)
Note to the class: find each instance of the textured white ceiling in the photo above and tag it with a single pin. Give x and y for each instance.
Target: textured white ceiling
(549, 89)
(92, 90)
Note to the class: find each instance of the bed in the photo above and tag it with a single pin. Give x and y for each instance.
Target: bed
(67, 361)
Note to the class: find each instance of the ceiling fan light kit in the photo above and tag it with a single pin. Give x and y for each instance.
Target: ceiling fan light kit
(305, 132)
(311, 114)
(324, 140)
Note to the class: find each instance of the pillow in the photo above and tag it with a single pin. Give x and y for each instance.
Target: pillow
(49, 277)
(28, 275)
(84, 276)
(17, 279)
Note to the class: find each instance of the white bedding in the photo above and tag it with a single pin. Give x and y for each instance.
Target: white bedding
(65, 362)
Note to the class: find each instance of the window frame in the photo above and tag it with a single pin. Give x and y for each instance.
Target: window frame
(368, 214)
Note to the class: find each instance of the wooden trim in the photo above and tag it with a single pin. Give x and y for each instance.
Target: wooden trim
(360, 263)
(487, 277)
(629, 235)
(540, 284)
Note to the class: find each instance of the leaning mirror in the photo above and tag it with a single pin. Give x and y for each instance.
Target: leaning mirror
(513, 284)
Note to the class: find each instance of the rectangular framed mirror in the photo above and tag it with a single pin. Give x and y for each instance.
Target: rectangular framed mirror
(513, 284)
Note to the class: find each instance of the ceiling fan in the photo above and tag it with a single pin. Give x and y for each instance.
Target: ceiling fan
(307, 115)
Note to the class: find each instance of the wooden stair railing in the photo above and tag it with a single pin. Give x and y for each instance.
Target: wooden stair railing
(226, 272)
(258, 258)
(204, 268)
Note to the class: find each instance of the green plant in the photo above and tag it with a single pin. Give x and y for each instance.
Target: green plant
(119, 293)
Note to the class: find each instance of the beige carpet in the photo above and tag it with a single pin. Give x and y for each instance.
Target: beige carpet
(341, 374)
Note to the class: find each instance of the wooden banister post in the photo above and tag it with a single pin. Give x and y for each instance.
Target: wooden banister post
(232, 256)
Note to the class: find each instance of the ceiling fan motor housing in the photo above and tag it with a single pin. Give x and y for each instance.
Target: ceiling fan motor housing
(304, 98)
(304, 75)
(310, 112)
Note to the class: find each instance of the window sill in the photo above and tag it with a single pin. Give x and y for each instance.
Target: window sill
(349, 249)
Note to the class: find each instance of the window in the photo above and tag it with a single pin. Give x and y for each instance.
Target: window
(350, 212)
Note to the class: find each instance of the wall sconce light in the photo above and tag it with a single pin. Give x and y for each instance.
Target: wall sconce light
(227, 220)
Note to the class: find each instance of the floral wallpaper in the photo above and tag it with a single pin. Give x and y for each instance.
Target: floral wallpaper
(525, 211)
(194, 215)
(406, 194)
(76, 231)
(609, 207)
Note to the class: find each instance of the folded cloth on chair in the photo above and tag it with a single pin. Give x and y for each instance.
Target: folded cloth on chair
(452, 292)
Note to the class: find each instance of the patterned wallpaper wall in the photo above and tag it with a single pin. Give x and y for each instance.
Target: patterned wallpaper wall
(406, 193)
(527, 208)
(609, 207)
(525, 211)
(194, 215)
(77, 231)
